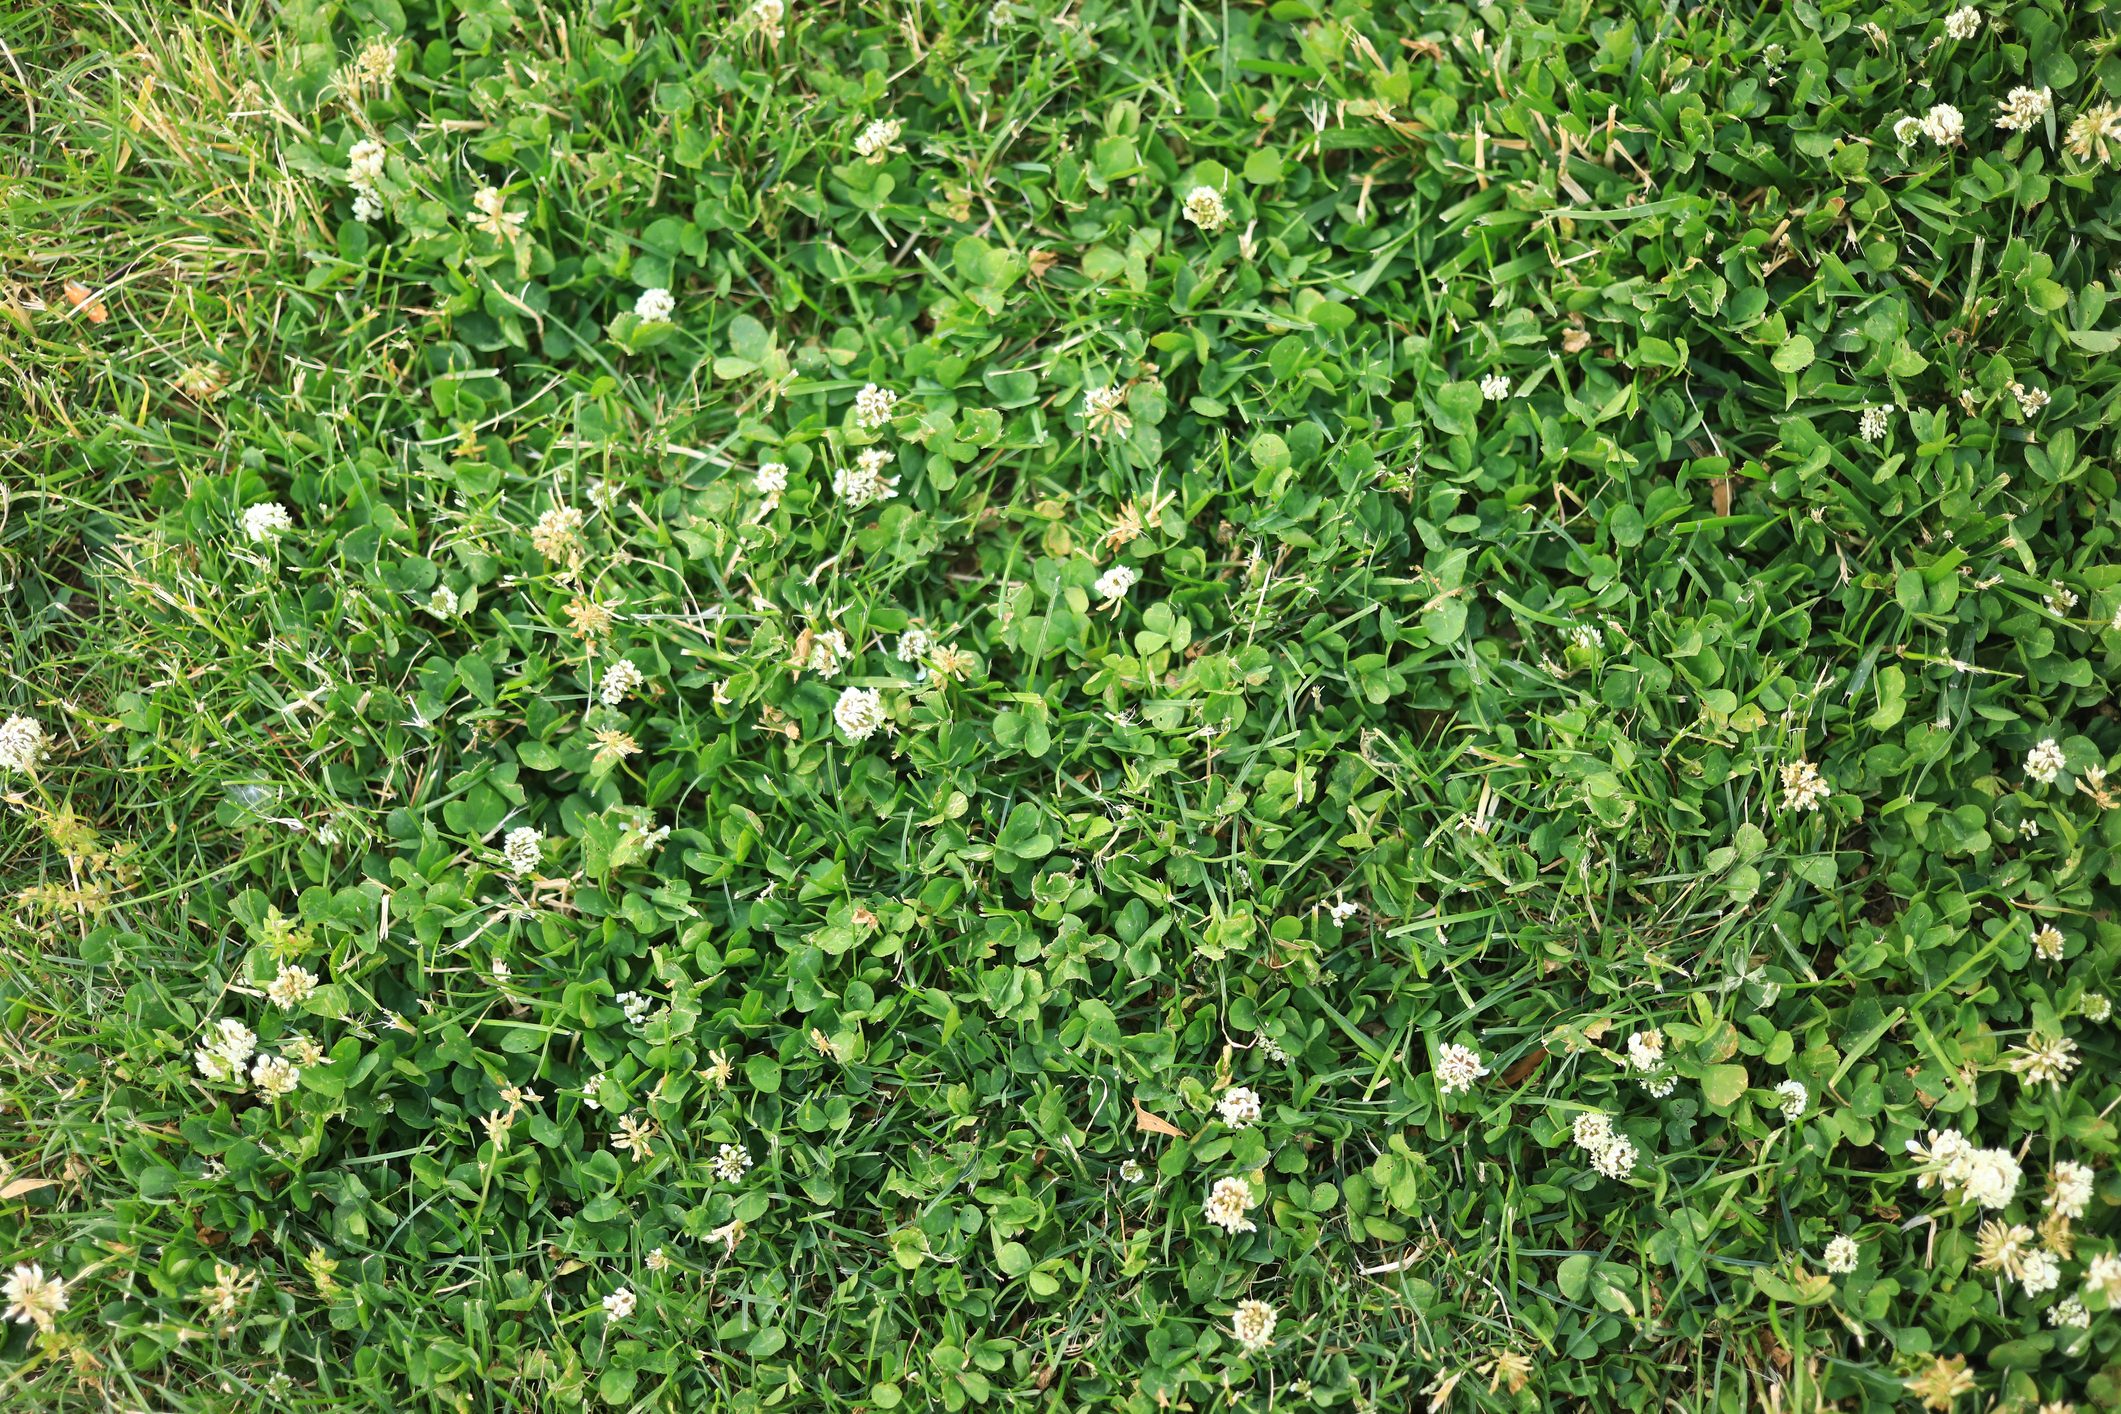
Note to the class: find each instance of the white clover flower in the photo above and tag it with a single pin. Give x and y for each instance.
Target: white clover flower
(1239, 1107)
(556, 535)
(1457, 1067)
(364, 162)
(1840, 1255)
(772, 478)
(2069, 1312)
(292, 987)
(620, 1304)
(226, 1050)
(2030, 400)
(1495, 387)
(1992, 1178)
(864, 483)
(828, 652)
(367, 206)
(274, 1077)
(34, 1299)
(1343, 909)
(520, 849)
(1871, 426)
(1105, 411)
(859, 712)
(2102, 1275)
(1963, 23)
(1617, 1159)
(1130, 1171)
(635, 1006)
(766, 17)
(2045, 762)
(1943, 125)
(1803, 787)
(1227, 1204)
(913, 645)
(2095, 1006)
(1646, 1050)
(1204, 208)
(619, 679)
(443, 602)
(494, 217)
(2023, 107)
(2039, 1273)
(2048, 942)
(1660, 1087)
(873, 406)
(878, 140)
(1592, 1130)
(1795, 1099)
(1253, 1325)
(1907, 130)
(655, 306)
(2043, 1060)
(22, 743)
(2069, 1189)
(268, 520)
(1114, 583)
(731, 1163)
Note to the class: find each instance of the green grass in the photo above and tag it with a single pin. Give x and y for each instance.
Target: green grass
(1437, 715)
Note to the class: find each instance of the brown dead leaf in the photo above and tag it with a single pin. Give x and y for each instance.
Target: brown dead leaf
(1039, 262)
(21, 1186)
(81, 297)
(1153, 1124)
(1525, 1067)
(1720, 495)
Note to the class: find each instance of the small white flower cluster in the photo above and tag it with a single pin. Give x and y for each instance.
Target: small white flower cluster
(655, 306)
(2048, 942)
(620, 1304)
(224, 1053)
(731, 1163)
(22, 743)
(33, 1299)
(1253, 1325)
(1612, 1154)
(2060, 600)
(1239, 1107)
(2023, 107)
(268, 520)
(2030, 400)
(913, 645)
(619, 679)
(1803, 787)
(766, 16)
(1646, 1059)
(878, 140)
(864, 483)
(859, 712)
(1871, 426)
(519, 849)
(1987, 1177)
(635, 1006)
(2043, 1060)
(364, 169)
(829, 652)
(1113, 584)
(1840, 1255)
(1963, 23)
(1495, 387)
(873, 407)
(292, 987)
(1228, 1201)
(1105, 411)
(1457, 1067)
(1204, 208)
(2044, 762)
(771, 479)
(2069, 1189)
(1943, 125)
(1795, 1099)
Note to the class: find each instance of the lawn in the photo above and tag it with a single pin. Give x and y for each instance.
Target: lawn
(1064, 705)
